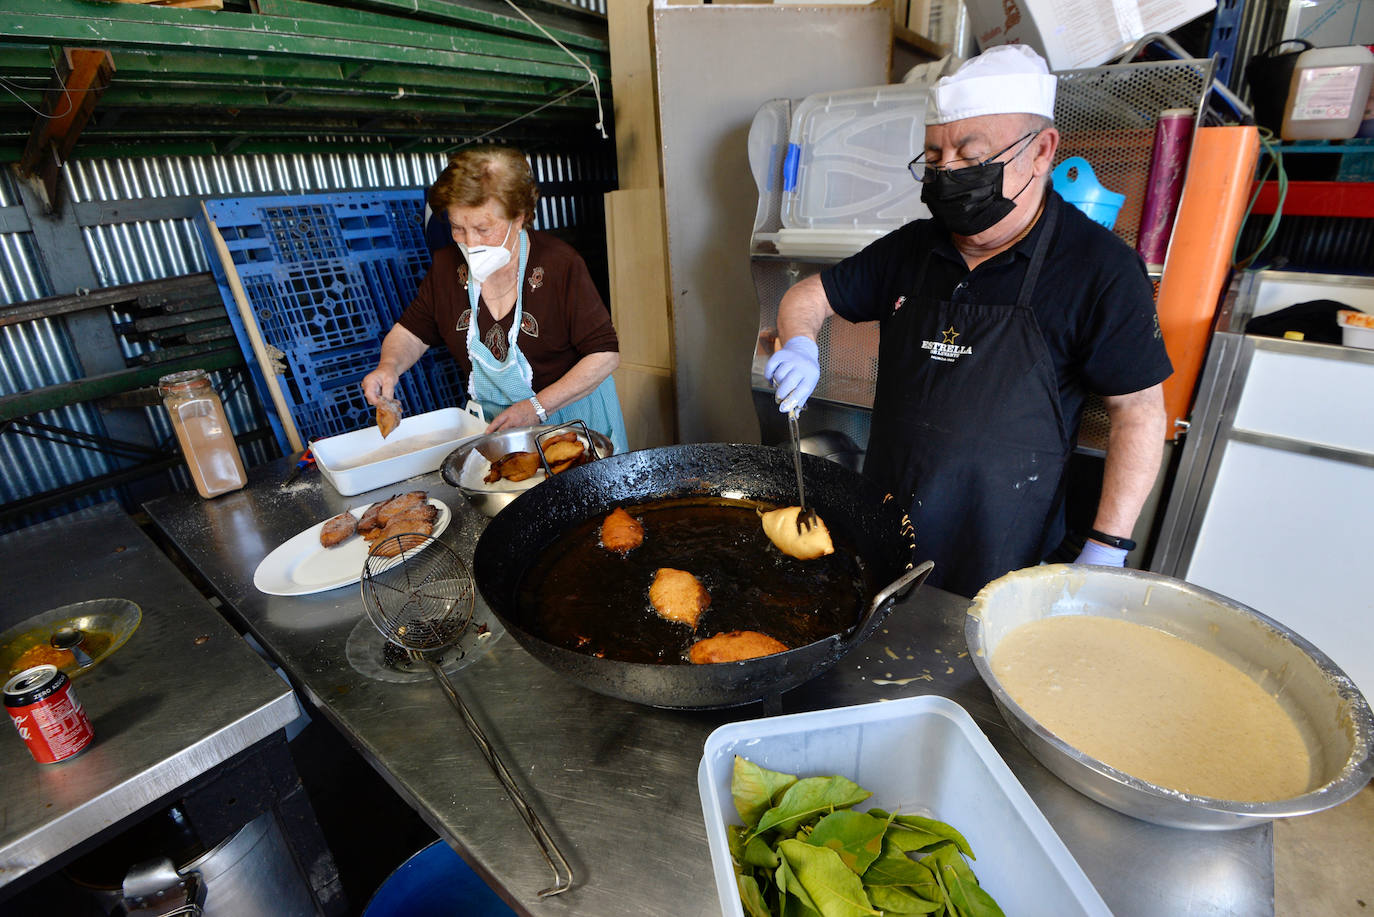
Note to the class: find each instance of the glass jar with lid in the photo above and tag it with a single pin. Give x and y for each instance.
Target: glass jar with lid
(203, 431)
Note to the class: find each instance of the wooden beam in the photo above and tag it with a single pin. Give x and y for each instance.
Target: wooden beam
(82, 75)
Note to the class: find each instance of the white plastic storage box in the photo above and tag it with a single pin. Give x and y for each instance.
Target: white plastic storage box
(1081, 34)
(361, 461)
(1357, 328)
(917, 755)
(846, 165)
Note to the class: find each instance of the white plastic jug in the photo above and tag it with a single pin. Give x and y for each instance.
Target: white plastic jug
(1327, 93)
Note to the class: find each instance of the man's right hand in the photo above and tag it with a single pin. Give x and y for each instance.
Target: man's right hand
(794, 371)
(379, 384)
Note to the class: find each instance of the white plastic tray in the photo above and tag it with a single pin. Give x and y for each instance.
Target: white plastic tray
(361, 461)
(918, 755)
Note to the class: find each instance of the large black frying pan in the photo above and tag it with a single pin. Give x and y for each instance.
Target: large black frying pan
(853, 509)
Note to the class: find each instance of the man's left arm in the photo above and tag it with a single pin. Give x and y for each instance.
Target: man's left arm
(1135, 446)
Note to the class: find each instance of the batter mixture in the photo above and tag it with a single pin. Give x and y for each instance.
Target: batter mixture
(1155, 706)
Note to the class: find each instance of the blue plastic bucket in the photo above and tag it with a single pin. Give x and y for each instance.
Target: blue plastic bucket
(435, 883)
(1075, 181)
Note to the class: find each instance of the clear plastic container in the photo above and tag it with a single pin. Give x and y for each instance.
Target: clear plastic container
(920, 755)
(203, 431)
(1327, 93)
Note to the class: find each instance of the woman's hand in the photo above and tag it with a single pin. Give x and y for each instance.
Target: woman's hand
(379, 384)
(400, 350)
(520, 414)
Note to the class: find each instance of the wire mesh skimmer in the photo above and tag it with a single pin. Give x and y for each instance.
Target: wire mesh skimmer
(422, 599)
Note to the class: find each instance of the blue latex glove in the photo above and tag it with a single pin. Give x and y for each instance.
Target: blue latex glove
(1102, 555)
(794, 371)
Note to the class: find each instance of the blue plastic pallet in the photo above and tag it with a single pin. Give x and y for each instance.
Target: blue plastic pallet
(327, 275)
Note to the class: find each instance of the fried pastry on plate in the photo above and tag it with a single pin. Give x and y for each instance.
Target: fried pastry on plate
(369, 521)
(401, 504)
(678, 596)
(338, 529)
(734, 646)
(621, 532)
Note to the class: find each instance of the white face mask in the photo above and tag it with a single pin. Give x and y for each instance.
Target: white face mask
(485, 260)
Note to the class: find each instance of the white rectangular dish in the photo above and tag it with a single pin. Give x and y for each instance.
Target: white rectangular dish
(361, 461)
(917, 755)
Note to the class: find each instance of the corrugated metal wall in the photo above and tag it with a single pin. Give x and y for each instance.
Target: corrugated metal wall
(40, 353)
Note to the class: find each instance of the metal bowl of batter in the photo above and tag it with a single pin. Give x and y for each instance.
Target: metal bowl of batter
(1333, 717)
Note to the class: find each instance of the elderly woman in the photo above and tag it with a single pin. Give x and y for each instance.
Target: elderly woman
(516, 307)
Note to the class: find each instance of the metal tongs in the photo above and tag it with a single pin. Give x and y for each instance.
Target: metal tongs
(806, 518)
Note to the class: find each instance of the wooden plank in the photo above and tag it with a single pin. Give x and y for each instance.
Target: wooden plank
(636, 260)
(632, 91)
(646, 400)
(250, 324)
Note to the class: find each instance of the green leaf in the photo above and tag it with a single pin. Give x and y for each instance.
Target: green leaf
(836, 891)
(753, 788)
(751, 897)
(790, 888)
(896, 868)
(938, 828)
(808, 798)
(856, 837)
(946, 857)
(758, 853)
(734, 837)
(892, 899)
(909, 839)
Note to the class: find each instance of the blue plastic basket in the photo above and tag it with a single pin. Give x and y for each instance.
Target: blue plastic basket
(326, 276)
(435, 883)
(1075, 181)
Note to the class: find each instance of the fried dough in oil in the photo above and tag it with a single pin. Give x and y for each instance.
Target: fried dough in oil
(621, 532)
(678, 596)
(734, 646)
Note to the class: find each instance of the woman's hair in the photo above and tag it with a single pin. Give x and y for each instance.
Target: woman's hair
(476, 176)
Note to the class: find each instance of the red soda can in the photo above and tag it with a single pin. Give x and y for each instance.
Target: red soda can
(47, 714)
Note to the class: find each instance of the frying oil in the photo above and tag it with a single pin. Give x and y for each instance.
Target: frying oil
(580, 596)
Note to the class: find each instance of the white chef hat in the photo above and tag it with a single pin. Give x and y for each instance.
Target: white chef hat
(1003, 80)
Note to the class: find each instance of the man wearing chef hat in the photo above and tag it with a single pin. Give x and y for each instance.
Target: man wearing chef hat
(998, 317)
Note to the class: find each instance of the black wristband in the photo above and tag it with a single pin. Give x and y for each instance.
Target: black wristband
(1113, 540)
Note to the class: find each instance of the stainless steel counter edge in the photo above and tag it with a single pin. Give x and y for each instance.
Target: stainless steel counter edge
(118, 802)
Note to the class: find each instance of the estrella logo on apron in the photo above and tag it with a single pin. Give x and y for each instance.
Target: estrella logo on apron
(946, 350)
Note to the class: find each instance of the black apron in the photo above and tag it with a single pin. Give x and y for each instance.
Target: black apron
(968, 430)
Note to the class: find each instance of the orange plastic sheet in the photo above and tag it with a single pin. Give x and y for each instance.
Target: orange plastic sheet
(1220, 173)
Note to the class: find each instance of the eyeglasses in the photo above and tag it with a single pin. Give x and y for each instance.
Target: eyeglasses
(924, 171)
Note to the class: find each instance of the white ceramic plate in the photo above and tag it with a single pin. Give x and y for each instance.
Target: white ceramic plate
(301, 565)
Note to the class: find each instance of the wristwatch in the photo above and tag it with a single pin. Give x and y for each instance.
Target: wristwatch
(1115, 541)
(539, 409)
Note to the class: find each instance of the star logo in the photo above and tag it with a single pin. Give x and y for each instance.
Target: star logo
(950, 335)
(901, 301)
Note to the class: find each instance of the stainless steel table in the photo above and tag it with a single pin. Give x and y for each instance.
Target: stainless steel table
(616, 782)
(182, 696)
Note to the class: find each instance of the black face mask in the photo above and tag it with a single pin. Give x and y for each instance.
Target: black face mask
(967, 201)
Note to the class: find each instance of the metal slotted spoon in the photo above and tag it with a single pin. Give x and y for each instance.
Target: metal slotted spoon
(422, 600)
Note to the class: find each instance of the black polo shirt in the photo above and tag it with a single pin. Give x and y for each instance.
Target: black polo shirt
(1093, 302)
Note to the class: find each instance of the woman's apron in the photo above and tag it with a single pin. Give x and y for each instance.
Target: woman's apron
(497, 384)
(968, 430)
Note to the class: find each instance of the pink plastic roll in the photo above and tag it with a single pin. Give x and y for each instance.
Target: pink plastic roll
(1168, 163)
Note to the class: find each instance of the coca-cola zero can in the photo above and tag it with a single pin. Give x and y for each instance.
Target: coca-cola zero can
(47, 714)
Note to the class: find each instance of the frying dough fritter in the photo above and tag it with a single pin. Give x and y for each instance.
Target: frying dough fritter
(734, 646)
(621, 532)
(678, 596)
(780, 526)
(388, 415)
(338, 529)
